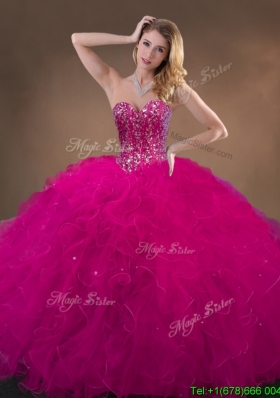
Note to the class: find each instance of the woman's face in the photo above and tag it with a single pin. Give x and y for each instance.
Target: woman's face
(152, 47)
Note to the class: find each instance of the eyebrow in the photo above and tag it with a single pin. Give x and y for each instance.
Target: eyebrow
(151, 43)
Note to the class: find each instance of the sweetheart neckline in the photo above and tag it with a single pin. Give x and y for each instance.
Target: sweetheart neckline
(124, 102)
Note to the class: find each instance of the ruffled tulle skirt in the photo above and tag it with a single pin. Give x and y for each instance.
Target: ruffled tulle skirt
(138, 283)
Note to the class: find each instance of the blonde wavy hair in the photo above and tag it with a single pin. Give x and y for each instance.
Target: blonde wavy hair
(170, 73)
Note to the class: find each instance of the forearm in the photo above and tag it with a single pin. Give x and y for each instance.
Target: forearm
(200, 139)
(99, 39)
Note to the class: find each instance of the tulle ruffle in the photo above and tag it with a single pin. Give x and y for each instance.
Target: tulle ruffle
(138, 283)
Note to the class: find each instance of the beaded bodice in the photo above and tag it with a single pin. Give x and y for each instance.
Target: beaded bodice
(142, 134)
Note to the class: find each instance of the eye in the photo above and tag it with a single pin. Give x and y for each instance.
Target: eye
(145, 42)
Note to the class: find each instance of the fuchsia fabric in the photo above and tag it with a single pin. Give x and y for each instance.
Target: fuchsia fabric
(117, 277)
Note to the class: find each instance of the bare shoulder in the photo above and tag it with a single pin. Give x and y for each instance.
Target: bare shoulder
(182, 94)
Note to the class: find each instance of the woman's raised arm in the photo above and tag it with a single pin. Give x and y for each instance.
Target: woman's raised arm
(99, 39)
(99, 70)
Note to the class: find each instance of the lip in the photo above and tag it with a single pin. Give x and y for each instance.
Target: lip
(145, 62)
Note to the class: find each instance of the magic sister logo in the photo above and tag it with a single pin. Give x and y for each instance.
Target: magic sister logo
(186, 325)
(153, 250)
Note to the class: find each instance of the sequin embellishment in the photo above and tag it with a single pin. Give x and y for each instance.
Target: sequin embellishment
(142, 134)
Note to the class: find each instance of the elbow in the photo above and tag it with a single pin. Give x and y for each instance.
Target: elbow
(223, 133)
(220, 132)
(74, 38)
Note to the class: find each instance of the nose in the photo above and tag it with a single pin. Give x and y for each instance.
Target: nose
(148, 57)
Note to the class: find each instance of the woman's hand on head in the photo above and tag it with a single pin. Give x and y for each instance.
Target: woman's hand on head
(144, 21)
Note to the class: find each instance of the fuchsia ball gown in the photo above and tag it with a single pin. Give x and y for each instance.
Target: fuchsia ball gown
(117, 277)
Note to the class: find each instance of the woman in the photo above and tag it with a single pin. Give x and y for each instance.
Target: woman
(119, 276)
(163, 62)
